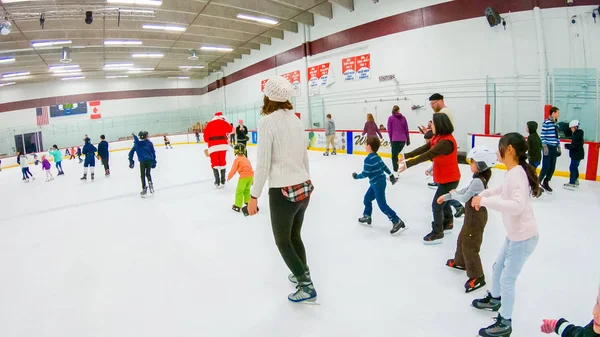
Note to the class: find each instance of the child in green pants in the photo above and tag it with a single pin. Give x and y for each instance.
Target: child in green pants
(242, 165)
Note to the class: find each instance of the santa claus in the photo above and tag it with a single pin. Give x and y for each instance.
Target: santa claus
(215, 135)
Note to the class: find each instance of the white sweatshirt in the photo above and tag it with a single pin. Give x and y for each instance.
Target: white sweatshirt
(282, 157)
(24, 161)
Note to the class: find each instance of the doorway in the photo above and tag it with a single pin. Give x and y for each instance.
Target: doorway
(29, 142)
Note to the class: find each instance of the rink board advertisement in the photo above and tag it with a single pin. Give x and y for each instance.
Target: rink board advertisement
(318, 140)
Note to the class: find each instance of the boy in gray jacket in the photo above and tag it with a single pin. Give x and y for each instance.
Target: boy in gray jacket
(330, 134)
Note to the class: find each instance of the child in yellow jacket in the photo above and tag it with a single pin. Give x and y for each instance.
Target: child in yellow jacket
(241, 165)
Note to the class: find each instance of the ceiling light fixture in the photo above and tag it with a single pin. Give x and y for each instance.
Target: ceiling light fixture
(193, 55)
(179, 78)
(164, 27)
(121, 42)
(143, 11)
(5, 28)
(223, 49)
(37, 44)
(72, 78)
(17, 74)
(7, 59)
(136, 2)
(60, 67)
(139, 70)
(66, 55)
(257, 19)
(191, 67)
(148, 55)
(5, 84)
(66, 72)
(116, 76)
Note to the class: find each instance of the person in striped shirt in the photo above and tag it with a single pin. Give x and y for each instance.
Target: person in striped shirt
(375, 169)
(551, 148)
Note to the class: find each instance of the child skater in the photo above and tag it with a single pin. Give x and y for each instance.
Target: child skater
(576, 153)
(168, 142)
(147, 158)
(514, 202)
(103, 155)
(79, 155)
(24, 162)
(57, 155)
(241, 165)
(46, 167)
(72, 153)
(534, 142)
(471, 234)
(90, 158)
(563, 328)
(374, 169)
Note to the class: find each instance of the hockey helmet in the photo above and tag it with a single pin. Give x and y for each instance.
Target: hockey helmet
(574, 123)
(483, 157)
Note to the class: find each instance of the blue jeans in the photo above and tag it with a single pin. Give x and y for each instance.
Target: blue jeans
(574, 169)
(534, 163)
(377, 192)
(59, 166)
(507, 268)
(549, 164)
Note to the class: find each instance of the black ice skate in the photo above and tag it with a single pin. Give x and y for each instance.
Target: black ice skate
(235, 208)
(151, 186)
(365, 220)
(92, 177)
(84, 177)
(452, 264)
(546, 186)
(448, 228)
(144, 192)
(217, 178)
(487, 303)
(334, 153)
(326, 153)
(398, 227)
(223, 177)
(474, 284)
(433, 238)
(459, 212)
(502, 328)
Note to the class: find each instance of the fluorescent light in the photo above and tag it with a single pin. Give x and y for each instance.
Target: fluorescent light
(148, 55)
(7, 59)
(117, 76)
(118, 65)
(145, 11)
(72, 78)
(164, 27)
(223, 49)
(16, 78)
(121, 42)
(257, 19)
(36, 44)
(136, 2)
(191, 67)
(5, 84)
(66, 72)
(141, 69)
(180, 77)
(22, 73)
(61, 67)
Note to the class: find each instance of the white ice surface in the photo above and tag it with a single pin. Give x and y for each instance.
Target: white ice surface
(94, 259)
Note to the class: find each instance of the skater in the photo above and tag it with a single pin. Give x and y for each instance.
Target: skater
(147, 158)
(330, 135)
(215, 135)
(241, 165)
(46, 167)
(167, 142)
(89, 150)
(79, 154)
(443, 151)
(376, 170)
(397, 128)
(241, 133)
(36, 161)
(576, 153)
(471, 235)
(551, 147)
(514, 202)
(103, 155)
(563, 328)
(370, 128)
(282, 159)
(232, 135)
(72, 153)
(197, 134)
(534, 143)
(67, 153)
(57, 155)
(23, 161)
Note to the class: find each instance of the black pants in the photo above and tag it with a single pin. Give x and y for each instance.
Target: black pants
(145, 168)
(396, 149)
(286, 220)
(549, 164)
(232, 138)
(442, 214)
(105, 164)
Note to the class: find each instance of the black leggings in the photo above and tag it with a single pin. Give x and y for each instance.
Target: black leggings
(396, 149)
(286, 220)
(442, 214)
(145, 168)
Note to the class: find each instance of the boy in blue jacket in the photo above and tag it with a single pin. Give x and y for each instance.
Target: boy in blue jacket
(89, 150)
(375, 169)
(147, 158)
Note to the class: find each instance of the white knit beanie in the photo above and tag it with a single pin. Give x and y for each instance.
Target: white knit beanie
(278, 89)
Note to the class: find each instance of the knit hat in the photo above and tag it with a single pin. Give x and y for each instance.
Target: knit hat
(278, 89)
(241, 121)
(436, 97)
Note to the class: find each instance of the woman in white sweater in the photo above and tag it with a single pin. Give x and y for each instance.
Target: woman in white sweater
(283, 160)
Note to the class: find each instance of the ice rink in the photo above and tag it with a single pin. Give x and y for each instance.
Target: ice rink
(93, 259)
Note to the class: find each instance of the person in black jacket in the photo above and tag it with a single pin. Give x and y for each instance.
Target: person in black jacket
(89, 150)
(563, 328)
(576, 152)
(241, 133)
(103, 155)
(534, 154)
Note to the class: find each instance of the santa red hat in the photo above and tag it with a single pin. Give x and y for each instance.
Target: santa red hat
(219, 115)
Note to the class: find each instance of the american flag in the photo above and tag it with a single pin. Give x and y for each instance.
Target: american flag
(42, 116)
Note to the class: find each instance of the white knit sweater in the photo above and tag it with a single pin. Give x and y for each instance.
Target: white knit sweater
(282, 157)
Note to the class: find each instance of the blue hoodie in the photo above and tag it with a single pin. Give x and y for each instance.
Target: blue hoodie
(144, 150)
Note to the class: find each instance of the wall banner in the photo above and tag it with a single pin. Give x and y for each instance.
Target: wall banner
(363, 64)
(349, 68)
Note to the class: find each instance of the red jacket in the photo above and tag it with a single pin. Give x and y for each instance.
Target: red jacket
(215, 135)
(445, 168)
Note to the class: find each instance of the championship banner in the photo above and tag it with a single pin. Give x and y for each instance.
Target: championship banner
(363, 64)
(349, 68)
(313, 76)
(294, 78)
(324, 73)
(262, 85)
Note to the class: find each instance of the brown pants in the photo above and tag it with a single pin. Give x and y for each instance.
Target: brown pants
(330, 141)
(469, 241)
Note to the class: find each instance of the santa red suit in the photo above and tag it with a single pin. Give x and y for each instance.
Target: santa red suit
(216, 136)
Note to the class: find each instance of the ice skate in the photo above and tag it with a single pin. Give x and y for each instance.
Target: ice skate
(452, 264)
(570, 187)
(223, 177)
(577, 183)
(235, 208)
(217, 182)
(365, 220)
(144, 192)
(546, 186)
(433, 238)
(433, 185)
(84, 177)
(304, 294)
(474, 284)
(398, 227)
(502, 328)
(92, 177)
(448, 228)
(487, 303)
(151, 186)
(333, 153)
(326, 153)
(459, 212)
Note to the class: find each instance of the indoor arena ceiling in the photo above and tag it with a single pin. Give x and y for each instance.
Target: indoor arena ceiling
(141, 38)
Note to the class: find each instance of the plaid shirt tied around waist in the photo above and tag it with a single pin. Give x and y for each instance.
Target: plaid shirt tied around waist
(298, 192)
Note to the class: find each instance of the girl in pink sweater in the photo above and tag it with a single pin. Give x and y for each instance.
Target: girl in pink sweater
(514, 202)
